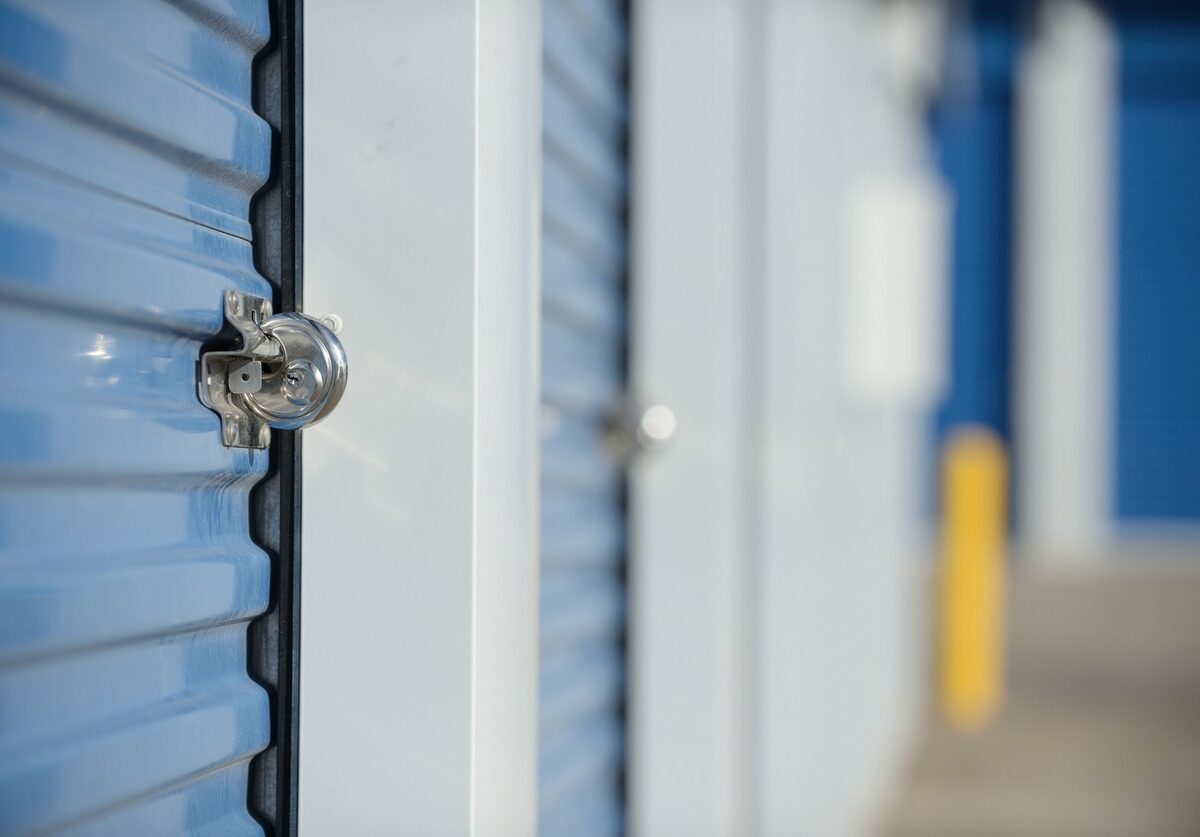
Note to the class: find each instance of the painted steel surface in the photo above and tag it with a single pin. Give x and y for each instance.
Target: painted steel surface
(1158, 266)
(129, 154)
(584, 177)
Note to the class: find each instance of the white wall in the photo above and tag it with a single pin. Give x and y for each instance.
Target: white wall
(842, 525)
(779, 542)
(418, 710)
(1065, 317)
(689, 756)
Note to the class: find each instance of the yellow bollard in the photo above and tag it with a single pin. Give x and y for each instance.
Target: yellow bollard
(974, 518)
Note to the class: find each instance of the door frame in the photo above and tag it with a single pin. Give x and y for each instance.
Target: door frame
(419, 632)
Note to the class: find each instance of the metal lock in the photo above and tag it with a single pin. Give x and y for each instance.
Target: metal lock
(289, 372)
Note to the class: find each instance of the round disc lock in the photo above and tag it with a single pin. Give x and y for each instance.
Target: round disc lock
(306, 382)
(289, 372)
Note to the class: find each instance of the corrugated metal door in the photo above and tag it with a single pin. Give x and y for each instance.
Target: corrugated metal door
(584, 174)
(1158, 265)
(129, 154)
(973, 126)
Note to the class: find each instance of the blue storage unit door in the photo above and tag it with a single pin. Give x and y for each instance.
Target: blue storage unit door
(583, 348)
(129, 154)
(1158, 264)
(973, 127)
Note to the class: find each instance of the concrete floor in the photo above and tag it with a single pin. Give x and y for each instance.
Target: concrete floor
(1100, 736)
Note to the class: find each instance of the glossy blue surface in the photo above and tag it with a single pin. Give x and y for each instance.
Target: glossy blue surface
(128, 158)
(1158, 267)
(584, 188)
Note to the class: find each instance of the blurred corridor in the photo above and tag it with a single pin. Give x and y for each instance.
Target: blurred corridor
(1100, 735)
(769, 418)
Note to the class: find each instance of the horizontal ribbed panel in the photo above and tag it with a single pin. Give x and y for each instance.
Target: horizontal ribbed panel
(1157, 397)
(129, 155)
(584, 188)
(88, 95)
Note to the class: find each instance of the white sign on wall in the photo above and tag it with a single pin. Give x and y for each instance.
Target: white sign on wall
(897, 289)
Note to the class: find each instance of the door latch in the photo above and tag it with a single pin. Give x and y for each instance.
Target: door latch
(289, 372)
(634, 429)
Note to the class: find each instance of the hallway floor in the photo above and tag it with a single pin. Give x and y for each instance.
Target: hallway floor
(1100, 735)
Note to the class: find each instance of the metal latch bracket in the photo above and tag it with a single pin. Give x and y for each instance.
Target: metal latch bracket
(289, 372)
(228, 377)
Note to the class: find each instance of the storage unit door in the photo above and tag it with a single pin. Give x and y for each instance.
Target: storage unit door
(973, 134)
(584, 175)
(129, 155)
(1158, 264)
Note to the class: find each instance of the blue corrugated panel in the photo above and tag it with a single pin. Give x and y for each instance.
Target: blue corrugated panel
(973, 129)
(1158, 263)
(128, 157)
(583, 338)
